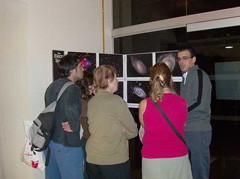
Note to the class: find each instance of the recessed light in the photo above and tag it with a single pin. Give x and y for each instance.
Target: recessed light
(229, 47)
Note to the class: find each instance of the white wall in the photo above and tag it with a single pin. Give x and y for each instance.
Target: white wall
(29, 31)
(13, 92)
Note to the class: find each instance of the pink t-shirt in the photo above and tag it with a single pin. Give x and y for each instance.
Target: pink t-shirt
(159, 140)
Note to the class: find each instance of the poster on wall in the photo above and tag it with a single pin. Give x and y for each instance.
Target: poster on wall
(137, 91)
(114, 60)
(56, 56)
(134, 73)
(138, 65)
(88, 60)
(170, 59)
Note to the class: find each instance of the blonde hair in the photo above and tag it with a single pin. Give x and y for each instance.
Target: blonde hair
(160, 78)
(102, 74)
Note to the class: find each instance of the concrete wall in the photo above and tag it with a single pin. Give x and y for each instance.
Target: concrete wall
(29, 31)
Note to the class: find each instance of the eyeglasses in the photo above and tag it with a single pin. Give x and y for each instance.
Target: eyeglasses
(183, 58)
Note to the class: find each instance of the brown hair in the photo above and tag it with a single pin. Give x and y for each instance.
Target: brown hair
(102, 74)
(160, 78)
(85, 83)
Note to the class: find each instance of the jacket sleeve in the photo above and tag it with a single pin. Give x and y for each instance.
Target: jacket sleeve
(72, 107)
(197, 91)
(127, 119)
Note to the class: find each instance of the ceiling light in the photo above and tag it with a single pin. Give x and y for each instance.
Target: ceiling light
(229, 47)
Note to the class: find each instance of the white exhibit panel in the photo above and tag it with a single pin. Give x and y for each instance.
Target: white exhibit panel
(97, 59)
(132, 70)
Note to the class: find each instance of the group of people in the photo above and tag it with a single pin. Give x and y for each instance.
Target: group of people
(102, 152)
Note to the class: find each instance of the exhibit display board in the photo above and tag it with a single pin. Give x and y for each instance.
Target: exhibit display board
(133, 70)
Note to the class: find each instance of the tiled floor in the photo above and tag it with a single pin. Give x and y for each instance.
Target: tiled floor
(225, 152)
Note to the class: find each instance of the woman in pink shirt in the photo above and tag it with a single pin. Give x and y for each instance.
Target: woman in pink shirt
(164, 155)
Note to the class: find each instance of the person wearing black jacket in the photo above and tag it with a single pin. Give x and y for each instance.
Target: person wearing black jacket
(66, 158)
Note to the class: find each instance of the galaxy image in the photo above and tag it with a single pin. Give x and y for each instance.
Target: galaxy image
(87, 60)
(120, 89)
(137, 91)
(170, 60)
(113, 60)
(138, 65)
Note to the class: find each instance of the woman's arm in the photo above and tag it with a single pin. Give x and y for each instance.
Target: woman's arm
(142, 108)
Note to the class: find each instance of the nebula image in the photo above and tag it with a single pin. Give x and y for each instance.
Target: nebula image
(114, 60)
(139, 66)
(139, 92)
(87, 60)
(85, 63)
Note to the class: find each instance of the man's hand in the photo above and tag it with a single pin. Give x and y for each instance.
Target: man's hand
(66, 127)
(142, 133)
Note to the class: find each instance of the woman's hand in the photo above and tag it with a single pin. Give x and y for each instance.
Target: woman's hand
(142, 133)
(91, 90)
(66, 127)
(124, 130)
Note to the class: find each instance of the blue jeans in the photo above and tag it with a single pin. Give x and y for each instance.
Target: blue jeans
(198, 143)
(65, 162)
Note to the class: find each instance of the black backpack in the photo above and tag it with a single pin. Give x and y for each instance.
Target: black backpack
(42, 128)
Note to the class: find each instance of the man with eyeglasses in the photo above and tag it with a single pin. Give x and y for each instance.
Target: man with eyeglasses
(196, 90)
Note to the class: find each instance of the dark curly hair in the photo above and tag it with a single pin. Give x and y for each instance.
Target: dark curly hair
(84, 85)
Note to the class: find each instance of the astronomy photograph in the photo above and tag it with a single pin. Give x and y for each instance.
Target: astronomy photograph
(170, 60)
(137, 91)
(113, 60)
(120, 89)
(87, 60)
(138, 65)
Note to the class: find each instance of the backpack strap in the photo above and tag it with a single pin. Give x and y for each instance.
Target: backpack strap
(200, 91)
(65, 86)
(48, 156)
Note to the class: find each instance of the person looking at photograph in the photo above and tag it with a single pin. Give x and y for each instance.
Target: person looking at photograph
(66, 146)
(86, 85)
(164, 155)
(111, 125)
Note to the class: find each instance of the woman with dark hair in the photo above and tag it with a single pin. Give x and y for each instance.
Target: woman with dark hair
(164, 155)
(86, 86)
(110, 125)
